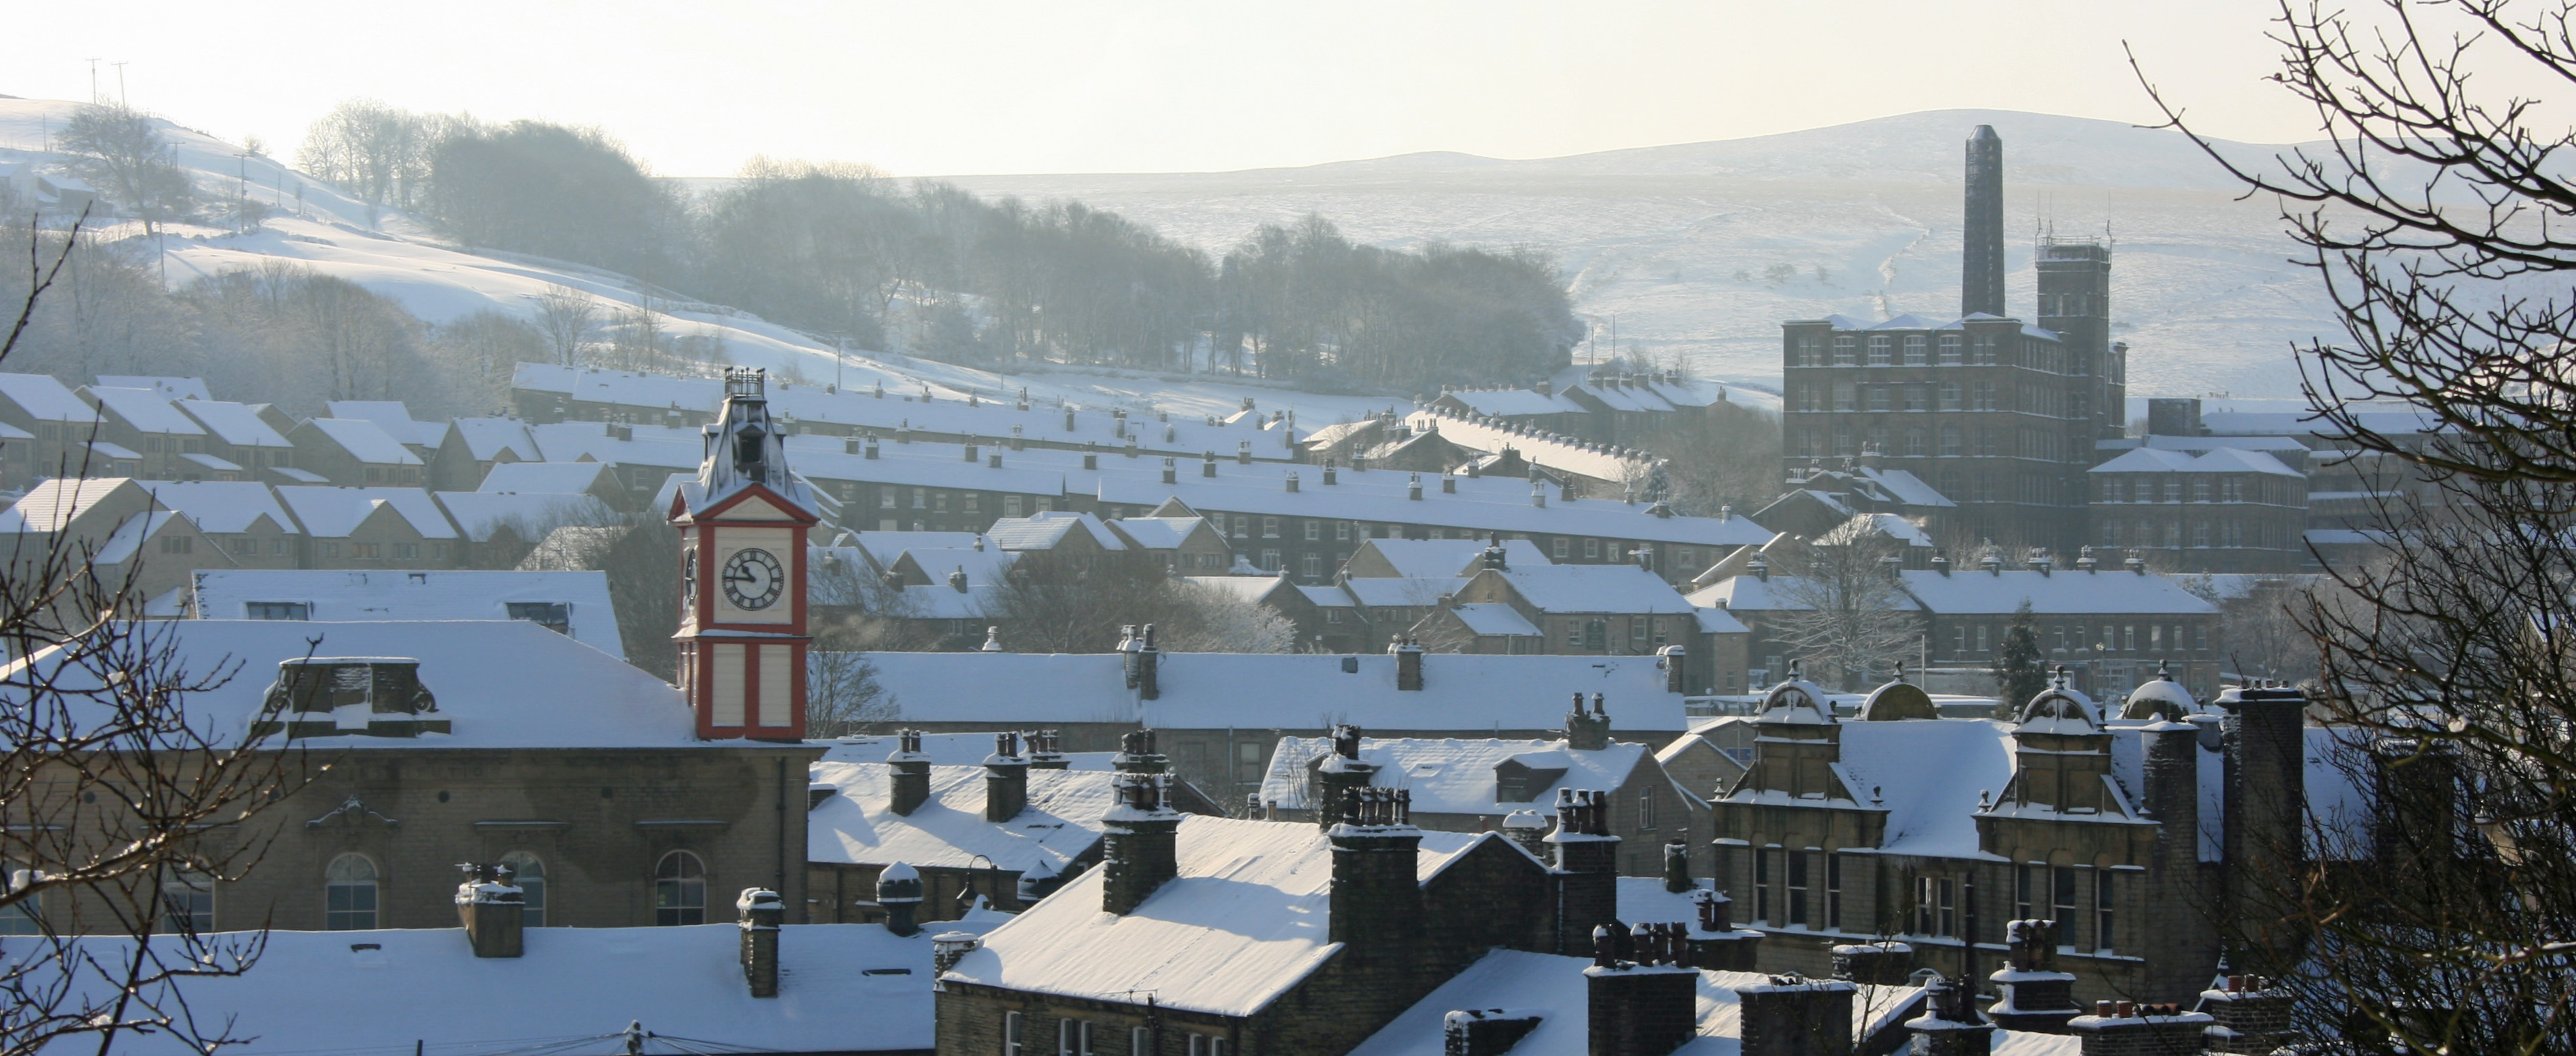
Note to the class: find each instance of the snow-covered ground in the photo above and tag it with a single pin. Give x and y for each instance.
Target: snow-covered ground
(1672, 242)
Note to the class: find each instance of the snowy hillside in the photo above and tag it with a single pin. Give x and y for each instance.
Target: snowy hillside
(1658, 236)
(399, 257)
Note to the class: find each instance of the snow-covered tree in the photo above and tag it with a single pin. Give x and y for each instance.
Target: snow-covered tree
(2020, 672)
(1853, 621)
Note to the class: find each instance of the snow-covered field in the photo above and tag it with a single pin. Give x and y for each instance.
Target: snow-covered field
(1671, 241)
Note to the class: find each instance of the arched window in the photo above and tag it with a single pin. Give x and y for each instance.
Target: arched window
(679, 890)
(349, 894)
(529, 872)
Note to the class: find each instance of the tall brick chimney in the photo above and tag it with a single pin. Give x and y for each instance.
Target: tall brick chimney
(1587, 868)
(759, 913)
(1339, 774)
(2175, 876)
(493, 910)
(2118, 1028)
(2035, 995)
(1795, 1016)
(1140, 833)
(1376, 907)
(1006, 779)
(1981, 258)
(1587, 732)
(1950, 1024)
(2264, 805)
(911, 772)
(899, 891)
(1644, 1004)
(1408, 664)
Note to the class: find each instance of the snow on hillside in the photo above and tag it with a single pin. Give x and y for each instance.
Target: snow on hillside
(399, 257)
(2201, 285)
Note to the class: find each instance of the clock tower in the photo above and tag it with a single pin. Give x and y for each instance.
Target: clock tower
(742, 525)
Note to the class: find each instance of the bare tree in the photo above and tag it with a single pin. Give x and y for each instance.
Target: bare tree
(111, 792)
(1851, 619)
(2438, 215)
(121, 150)
(843, 696)
(569, 318)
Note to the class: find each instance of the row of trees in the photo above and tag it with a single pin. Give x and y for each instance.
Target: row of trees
(842, 250)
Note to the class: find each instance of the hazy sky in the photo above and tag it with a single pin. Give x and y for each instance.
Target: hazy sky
(942, 87)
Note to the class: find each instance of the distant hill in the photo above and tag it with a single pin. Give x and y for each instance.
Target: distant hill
(1675, 240)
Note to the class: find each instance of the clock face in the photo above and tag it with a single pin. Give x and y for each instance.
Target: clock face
(753, 579)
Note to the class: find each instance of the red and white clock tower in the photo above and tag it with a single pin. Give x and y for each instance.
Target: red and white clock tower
(743, 523)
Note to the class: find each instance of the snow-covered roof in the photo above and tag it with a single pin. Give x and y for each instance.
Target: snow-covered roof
(532, 514)
(45, 399)
(300, 476)
(1453, 776)
(146, 410)
(1927, 774)
(983, 568)
(1911, 321)
(1327, 597)
(365, 441)
(1982, 593)
(502, 683)
(1394, 592)
(1905, 487)
(128, 538)
(54, 502)
(558, 478)
(2213, 460)
(943, 749)
(1157, 533)
(1480, 506)
(486, 438)
(111, 449)
(1719, 621)
(1274, 691)
(209, 461)
(223, 505)
(1554, 989)
(1541, 447)
(644, 445)
(939, 601)
(1494, 618)
(340, 596)
(841, 987)
(1241, 588)
(394, 418)
(1513, 401)
(858, 825)
(1047, 530)
(329, 512)
(169, 387)
(1246, 919)
(1592, 588)
(728, 469)
(1446, 558)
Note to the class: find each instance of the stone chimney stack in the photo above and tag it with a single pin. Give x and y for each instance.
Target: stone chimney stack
(2034, 994)
(947, 948)
(1715, 940)
(1376, 901)
(2264, 803)
(2175, 876)
(759, 913)
(1645, 1004)
(1046, 751)
(1795, 1016)
(1143, 661)
(1586, 870)
(2249, 1016)
(493, 910)
(1588, 733)
(1677, 876)
(1496, 557)
(1485, 1031)
(1339, 775)
(1529, 830)
(1950, 1024)
(911, 772)
(899, 891)
(1006, 779)
(1882, 963)
(1141, 832)
(1676, 667)
(1408, 664)
(2118, 1028)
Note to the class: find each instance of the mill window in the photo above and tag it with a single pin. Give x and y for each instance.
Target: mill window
(1949, 350)
(1846, 351)
(1833, 891)
(1917, 398)
(1879, 345)
(2062, 898)
(1798, 888)
(1950, 444)
(1845, 396)
(1914, 348)
(1762, 884)
(1878, 397)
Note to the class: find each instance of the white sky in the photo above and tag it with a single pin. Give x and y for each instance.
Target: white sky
(952, 87)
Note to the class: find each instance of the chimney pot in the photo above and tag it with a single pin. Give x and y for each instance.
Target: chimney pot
(899, 891)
